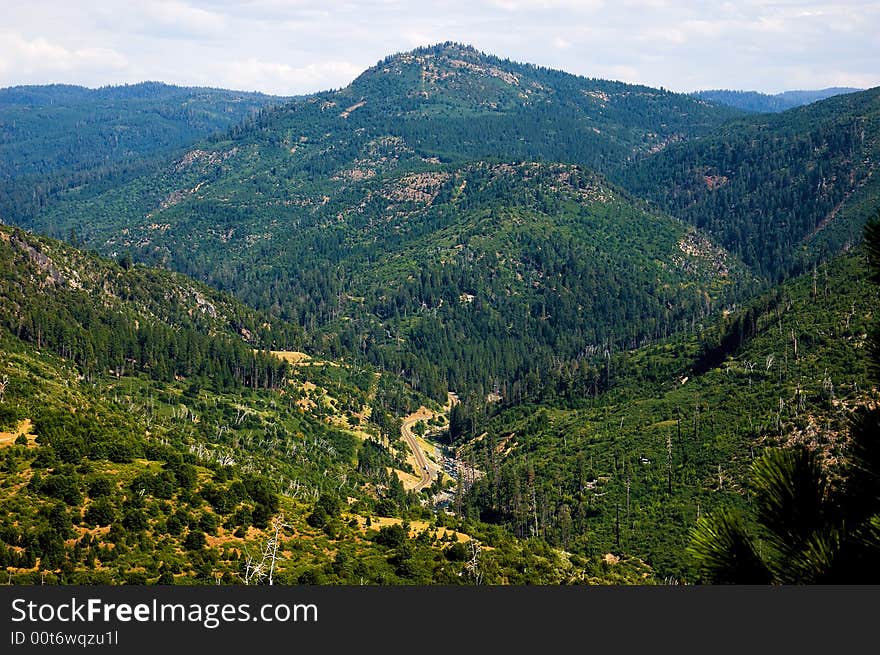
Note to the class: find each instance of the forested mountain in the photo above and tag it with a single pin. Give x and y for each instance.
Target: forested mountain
(451, 276)
(497, 266)
(105, 315)
(413, 111)
(142, 439)
(633, 469)
(782, 191)
(763, 102)
(58, 137)
(455, 103)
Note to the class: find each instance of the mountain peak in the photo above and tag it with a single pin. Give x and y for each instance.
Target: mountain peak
(439, 51)
(443, 64)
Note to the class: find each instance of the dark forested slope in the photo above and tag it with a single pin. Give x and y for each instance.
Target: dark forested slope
(782, 191)
(633, 468)
(453, 276)
(58, 137)
(143, 440)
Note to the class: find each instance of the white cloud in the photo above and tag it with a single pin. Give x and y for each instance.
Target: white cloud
(812, 79)
(295, 46)
(39, 55)
(648, 4)
(621, 73)
(285, 79)
(417, 38)
(561, 43)
(179, 18)
(546, 5)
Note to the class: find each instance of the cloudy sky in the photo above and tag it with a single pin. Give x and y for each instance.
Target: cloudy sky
(289, 47)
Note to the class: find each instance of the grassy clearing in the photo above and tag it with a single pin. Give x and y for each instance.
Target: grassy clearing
(292, 356)
(23, 428)
(415, 528)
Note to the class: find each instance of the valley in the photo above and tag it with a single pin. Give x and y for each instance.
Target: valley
(464, 320)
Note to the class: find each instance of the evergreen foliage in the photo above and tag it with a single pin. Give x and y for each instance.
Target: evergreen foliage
(782, 191)
(58, 137)
(763, 102)
(812, 523)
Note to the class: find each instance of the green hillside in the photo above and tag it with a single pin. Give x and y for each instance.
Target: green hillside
(782, 191)
(457, 276)
(440, 156)
(446, 103)
(633, 468)
(177, 463)
(764, 102)
(297, 211)
(456, 103)
(59, 137)
(632, 294)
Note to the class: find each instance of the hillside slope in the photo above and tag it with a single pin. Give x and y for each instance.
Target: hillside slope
(456, 103)
(782, 191)
(59, 137)
(454, 275)
(446, 103)
(143, 440)
(634, 467)
(763, 102)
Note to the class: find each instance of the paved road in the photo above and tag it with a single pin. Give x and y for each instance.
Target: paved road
(428, 470)
(426, 474)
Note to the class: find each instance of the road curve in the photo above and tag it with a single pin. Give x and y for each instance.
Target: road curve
(425, 474)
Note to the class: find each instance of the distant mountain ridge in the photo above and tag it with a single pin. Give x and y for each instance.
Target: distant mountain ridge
(58, 136)
(754, 101)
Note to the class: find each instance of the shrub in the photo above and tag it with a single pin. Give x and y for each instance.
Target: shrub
(195, 540)
(392, 536)
(100, 512)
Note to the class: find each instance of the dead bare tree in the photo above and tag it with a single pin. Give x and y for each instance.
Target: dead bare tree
(473, 565)
(253, 570)
(256, 571)
(272, 545)
(827, 385)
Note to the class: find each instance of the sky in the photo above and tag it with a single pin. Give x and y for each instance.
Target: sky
(290, 47)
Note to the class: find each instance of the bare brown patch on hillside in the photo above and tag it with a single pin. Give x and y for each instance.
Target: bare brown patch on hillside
(700, 253)
(715, 181)
(415, 527)
(292, 356)
(601, 96)
(300, 359)
(204, 158)
(23, 428)
(420, 188)
(349, 110)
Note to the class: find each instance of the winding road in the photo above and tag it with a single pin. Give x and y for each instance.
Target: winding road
(428, 469)
(426, 475)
